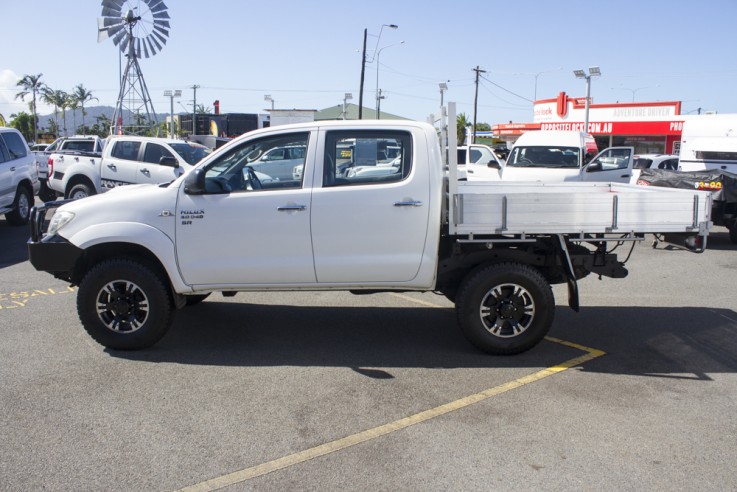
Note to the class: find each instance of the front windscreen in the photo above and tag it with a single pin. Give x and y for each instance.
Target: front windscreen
(192, 154)
(539, 156)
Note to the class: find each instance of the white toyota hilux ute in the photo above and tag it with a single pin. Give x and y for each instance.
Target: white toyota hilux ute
(494, 249)
(18, 177)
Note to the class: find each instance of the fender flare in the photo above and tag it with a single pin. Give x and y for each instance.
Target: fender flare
(154, 240)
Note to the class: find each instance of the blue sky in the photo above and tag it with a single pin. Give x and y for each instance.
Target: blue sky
(306, 54)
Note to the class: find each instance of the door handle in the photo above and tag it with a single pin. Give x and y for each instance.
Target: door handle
(410, 203)
(112, 166)
(288, 208)
(145, 171)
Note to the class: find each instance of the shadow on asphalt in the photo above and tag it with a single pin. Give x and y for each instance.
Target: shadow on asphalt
(686, 342)
(13, 239)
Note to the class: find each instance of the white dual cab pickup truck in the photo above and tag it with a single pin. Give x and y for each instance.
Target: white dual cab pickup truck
(125, 160)
(139, 252)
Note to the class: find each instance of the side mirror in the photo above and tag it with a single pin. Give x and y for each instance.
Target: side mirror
(594, 167)
(194, 183)
(170, 161)
(492, 164)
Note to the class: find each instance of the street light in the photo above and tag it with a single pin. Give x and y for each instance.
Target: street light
(634, 91)
(363, 63)
(580, 74)
(539, 74)
(443, 87)
(268, 97)
(378, 95)
(348, 96)
(171, 95)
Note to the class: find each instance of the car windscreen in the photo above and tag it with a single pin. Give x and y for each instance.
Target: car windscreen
(192, 154)
(544, 156)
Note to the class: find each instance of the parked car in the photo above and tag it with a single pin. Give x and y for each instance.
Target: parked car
(656, 161)
(279, 162)
(18, 177)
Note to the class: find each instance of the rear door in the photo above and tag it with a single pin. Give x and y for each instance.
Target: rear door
(369, 228)
(121, 165)
(7, 186)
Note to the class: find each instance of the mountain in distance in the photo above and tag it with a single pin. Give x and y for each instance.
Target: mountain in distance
(90, 118)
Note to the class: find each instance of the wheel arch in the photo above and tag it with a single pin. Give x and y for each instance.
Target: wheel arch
(131, 240)
(79, 178)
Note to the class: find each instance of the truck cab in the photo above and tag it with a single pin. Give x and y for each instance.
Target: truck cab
(549, 156)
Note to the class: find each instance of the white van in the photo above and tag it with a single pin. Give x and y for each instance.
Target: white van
(709, 142)
(549, 156)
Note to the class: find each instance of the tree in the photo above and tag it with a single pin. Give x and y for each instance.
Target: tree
(31, 84)
(461, 124)
(23, 122)
(57, 99)
(82, 95)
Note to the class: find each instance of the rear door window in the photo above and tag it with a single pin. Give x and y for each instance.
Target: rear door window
(125, 150)
(15, 144)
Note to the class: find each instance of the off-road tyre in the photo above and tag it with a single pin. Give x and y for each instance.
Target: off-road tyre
(22, 204)
(124, 305)
(80, 190)
(505, 308)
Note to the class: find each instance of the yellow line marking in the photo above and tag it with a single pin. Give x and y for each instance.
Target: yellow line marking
(382, 430)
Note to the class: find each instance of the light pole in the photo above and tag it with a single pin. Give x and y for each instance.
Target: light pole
(539, 74)
(378, 95)
(363, 63)
(634, 91)
(268, 97)
(348, 96)
(443, 87)
(580, 74)
(171, 95)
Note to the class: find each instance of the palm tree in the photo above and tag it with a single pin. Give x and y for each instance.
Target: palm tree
(54, 98)
(82, 96)
(31, 84)
(461, 124)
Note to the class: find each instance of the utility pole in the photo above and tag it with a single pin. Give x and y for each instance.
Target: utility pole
(194, 109)
(363, 71)
(476, 101)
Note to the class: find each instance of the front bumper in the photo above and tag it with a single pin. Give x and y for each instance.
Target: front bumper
(53, 254)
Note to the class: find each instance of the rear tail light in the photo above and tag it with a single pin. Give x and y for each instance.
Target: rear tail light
(51, 167)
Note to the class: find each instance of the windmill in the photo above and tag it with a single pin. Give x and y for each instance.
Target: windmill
(139, 28)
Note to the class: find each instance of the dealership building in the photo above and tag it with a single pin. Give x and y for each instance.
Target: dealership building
(649, 127)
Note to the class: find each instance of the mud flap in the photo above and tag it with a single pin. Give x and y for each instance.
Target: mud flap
(565, 261)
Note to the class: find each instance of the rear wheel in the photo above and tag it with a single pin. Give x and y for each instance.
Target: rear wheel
(505, 309)
(80, 190)
(733, 233)
(21, 207)
(124, 305)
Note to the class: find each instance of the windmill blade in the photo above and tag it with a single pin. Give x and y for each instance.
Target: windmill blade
(124, 44)
(138, 48)
(160, 37)
(145, 49)
(119, 37)
(159, 29)
(151, 45)
(159, 10)
(154, 42)
(104, 22)
(161, 23)
(111, 12)
(113, 4)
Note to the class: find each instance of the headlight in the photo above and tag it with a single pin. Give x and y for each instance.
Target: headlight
(59, 220)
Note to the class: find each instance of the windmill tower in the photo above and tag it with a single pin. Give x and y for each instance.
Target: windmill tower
(139, 28)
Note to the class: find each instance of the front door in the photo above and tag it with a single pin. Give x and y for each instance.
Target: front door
(246, 228)
(150, 170)
(613, 164)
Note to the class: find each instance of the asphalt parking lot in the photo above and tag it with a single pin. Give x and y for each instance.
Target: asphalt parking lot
(330, 391)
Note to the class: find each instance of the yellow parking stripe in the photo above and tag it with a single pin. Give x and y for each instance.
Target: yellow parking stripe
(382, 430)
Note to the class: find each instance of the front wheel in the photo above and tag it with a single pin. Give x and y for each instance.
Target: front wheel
(124, 305)
(21, 207)
(505, 309)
